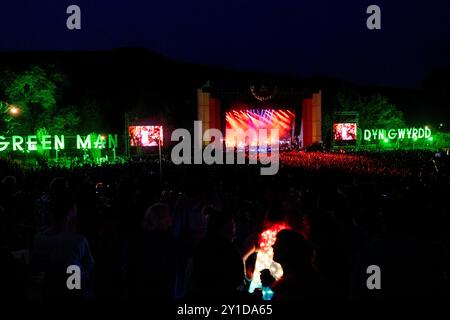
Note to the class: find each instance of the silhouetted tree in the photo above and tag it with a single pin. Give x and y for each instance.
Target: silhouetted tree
(374, 111)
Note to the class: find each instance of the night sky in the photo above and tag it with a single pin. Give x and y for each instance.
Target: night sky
(300, 37)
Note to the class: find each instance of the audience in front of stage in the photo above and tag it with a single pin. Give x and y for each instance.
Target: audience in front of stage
(42, 214)
(300, 279)
(216, 269)
(187, 237)
(151, 267)
(59, 247)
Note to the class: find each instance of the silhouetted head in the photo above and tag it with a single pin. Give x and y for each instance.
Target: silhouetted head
(275, 214)
(293, 252)
(219, 224)
(58, 186)
(157, 217)
(8, 185)
(63, 209)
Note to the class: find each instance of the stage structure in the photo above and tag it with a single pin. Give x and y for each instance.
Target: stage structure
(311, 130)
(249, 104)
(281, 119)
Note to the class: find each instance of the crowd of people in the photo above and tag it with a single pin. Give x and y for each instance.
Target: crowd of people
(386, 163)
(196, 233)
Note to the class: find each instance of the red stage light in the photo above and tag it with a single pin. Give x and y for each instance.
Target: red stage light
(268, 119)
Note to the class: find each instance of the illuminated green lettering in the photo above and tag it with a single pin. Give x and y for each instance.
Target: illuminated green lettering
(46, 142)
(3, 144)
(420, 133)
(112, 141)
(32, 143)
(59, 142)
(399, 133)
(375, 134)
(17, 142)
(86, 144)
(100, 143)
(367, 134)
(392, 134)
(409, 132)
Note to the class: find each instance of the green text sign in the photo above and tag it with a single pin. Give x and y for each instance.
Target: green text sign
(399, 133)
(57, 142)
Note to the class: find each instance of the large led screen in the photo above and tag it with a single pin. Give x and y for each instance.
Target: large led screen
(145, 136)
(344, 131)
(268, 119)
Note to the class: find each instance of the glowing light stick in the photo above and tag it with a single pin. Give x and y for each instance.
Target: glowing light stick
(264, 257)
